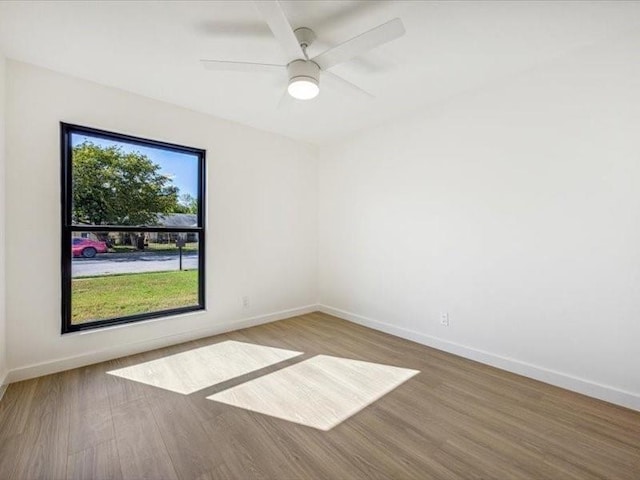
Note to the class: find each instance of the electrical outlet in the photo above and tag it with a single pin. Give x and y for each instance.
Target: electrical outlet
(245, 302)
(444, 319)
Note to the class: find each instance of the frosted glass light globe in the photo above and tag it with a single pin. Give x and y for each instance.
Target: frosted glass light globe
(303, 88)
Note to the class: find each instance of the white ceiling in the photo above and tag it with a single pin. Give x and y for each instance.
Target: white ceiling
(153, 48)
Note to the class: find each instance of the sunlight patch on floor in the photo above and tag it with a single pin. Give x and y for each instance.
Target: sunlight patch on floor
(193, 370)
(320, 392)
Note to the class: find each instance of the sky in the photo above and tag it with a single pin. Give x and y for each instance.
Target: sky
(182, 168)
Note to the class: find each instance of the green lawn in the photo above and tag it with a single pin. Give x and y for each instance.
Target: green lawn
(98, 298)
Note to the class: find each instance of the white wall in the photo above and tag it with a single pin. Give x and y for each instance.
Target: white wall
(515, 208)
(3, 342)
(261, 226)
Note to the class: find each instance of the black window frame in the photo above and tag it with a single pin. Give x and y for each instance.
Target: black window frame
(68, 227)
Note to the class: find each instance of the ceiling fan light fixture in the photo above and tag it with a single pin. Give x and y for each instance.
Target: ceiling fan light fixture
(304, 76)
(303, 88)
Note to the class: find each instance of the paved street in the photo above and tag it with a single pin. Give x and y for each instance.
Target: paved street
(136, 262)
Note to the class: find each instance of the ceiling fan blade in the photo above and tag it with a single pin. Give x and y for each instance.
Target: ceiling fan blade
(240, 66)
(286, 101)
(345, 85)
(279, 25)
(358, 45)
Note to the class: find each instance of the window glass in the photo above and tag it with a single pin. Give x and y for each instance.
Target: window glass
(121, 183)
(111, 277)
(132, 228)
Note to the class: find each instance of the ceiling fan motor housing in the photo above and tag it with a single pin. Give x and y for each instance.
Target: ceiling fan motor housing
(303, 70)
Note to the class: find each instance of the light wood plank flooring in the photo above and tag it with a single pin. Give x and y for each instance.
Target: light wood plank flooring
(456, 419)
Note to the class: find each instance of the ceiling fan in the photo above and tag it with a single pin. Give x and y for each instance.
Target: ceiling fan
(304, 72)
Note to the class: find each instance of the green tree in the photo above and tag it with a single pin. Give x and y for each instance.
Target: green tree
(113, 187)
(187, 204)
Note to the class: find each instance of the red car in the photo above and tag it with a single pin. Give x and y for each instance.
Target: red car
(87, 248)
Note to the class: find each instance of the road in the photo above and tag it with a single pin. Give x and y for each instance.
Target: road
(135, 262)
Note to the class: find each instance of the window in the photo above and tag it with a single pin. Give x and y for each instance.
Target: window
(132, 228)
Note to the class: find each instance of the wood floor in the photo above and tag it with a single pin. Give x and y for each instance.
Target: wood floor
(456, 419)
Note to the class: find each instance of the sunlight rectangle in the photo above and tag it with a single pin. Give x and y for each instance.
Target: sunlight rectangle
(320, 392)
(193, 370)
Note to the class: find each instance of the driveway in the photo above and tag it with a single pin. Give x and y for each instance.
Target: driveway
(133, 262)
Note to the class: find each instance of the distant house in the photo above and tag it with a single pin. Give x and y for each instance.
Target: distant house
(178, 220)
(168, 220)
(89, 235)
(175, 220)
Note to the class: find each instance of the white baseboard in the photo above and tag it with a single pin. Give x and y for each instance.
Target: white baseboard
(559, 379)
(67, 363)
(4, 383)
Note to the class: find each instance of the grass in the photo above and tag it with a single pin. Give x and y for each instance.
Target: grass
(99, 298)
